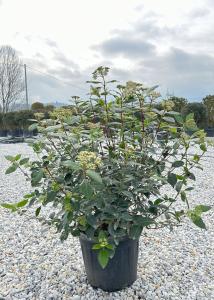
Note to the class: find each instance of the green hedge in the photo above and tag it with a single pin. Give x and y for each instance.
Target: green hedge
(16, 120)
(16, 123)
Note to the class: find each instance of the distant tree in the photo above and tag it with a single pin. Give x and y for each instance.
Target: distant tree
(179, 103)
(49, 107)
(200, 113)
(209, 104)
(37, 106)
(11, 78)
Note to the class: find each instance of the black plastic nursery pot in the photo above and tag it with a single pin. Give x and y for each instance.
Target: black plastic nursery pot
(121, 270)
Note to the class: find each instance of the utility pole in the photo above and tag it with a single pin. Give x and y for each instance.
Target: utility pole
(26, 90)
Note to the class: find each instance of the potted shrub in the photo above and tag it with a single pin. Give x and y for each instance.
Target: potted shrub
(112, 167)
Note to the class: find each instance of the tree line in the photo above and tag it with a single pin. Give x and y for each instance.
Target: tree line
(203, 111)
(16, 123)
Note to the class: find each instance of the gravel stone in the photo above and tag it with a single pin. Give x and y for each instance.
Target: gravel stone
(35, 265)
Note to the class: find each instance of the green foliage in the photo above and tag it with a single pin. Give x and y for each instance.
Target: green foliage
(209, 104)
(37, 106)
(16, 120)
(16, 206)
(102, 164)
(195, 215)
(179, 103)
(199, 111)
(103, 257)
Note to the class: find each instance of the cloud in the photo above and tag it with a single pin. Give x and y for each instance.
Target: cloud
(177, 56)
(125, 46)
(184, 74)
(36, 62)
(48, 89)
(65, 74)
(187, 74)
(164, 46)
(55, 84)
(65, 61)
(199, 13)
(59, 56)
(51, 43)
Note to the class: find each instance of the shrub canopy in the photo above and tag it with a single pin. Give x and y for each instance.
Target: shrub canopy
(102, 165)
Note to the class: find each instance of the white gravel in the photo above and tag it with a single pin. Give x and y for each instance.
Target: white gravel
(34, 264)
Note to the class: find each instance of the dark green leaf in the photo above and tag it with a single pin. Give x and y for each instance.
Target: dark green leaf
(203, 147)
(51, 196)
(177, 164)
(24, 161)
(86, 189)
(172, 179)
(183, 196)
(91, 220)
(197, 220)
(38, 211)
(71, 164)
(94, 175)
(64, 235)
(135, 232)
(189, 188)
(179, 119)
(178, 186)
(37, 176)
(158, 201)
(11, 169)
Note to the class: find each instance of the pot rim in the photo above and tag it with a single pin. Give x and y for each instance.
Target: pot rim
(122, 239)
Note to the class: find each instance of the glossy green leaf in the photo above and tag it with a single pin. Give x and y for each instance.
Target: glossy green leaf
(38, 211)
(97, 247)
(12, 207)
(103, 257)
(17, 157)
(22, 203)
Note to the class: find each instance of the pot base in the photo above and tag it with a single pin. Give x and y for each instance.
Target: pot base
(121, 270)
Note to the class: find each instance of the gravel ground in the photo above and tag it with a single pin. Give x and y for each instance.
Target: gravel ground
(34, 264)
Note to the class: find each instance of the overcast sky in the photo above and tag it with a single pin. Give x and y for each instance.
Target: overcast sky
(165, 42)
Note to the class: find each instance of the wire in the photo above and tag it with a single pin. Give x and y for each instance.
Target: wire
(51, 76)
